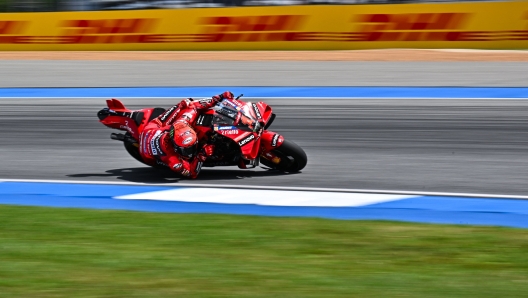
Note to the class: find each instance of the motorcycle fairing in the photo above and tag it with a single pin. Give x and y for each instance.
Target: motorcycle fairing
(266, 112)
(249, 143)
(270, 140)
(119, 117)
(249, 120)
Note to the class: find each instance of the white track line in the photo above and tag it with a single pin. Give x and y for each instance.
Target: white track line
(366, 191)
(265, 197)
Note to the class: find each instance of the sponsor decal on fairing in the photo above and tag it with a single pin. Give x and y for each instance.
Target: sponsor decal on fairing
(158, 147)
(225, 127)
(200, 120)
(172, 118)
(246, 140)
(155, 144)
(126, 127)
(144, 142)
(229, 132)
(167, 113)
(274, 140)
(257, 112)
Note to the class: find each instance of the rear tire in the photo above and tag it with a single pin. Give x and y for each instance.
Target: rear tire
(293, 158)
(133, 150)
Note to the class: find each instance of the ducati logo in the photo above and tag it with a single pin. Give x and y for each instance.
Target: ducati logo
(164, 117)
(257, 112)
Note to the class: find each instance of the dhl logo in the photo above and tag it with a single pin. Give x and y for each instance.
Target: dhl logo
(107, 26)
(104, 31)
(264, 28)
(414, 21)
(12, 27)
(412, 27)
(10, 31)
(251, 28)
(107, 31)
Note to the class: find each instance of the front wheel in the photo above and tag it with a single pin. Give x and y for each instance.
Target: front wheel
(293, 158)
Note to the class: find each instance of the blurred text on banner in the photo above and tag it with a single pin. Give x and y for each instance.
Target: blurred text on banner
(482, 25)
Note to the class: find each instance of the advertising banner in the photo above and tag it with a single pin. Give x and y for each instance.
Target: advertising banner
(482, 25)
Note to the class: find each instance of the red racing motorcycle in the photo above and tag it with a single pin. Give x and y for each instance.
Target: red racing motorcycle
(237, 129)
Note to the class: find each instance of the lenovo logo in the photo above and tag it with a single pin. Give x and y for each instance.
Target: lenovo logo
(246, 140)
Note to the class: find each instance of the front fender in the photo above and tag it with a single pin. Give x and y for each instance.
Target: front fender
(270, 140)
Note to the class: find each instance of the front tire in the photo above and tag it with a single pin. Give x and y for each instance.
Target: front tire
(293, 158)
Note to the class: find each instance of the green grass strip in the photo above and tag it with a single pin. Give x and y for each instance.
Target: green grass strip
(47, 252)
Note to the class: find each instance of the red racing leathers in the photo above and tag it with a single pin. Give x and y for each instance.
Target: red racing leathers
(156, 146)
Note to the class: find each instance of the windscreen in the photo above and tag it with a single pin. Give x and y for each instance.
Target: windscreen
(227, 112)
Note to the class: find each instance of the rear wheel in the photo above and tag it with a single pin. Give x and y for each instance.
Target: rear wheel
(132, 148)
(292, 158)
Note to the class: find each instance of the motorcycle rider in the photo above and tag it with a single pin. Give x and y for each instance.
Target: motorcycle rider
(171, 141)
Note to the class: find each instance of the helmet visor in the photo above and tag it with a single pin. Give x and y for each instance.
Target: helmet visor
(187, 152)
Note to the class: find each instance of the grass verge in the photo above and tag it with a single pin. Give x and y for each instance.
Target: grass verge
(47, 252)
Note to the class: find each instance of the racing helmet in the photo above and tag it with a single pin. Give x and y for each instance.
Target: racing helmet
(184, 139)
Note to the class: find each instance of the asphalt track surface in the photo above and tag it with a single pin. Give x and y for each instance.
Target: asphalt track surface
(422, 145)
(61, 73)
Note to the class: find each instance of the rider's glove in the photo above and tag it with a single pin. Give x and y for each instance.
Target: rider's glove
(208, 149)
(225, 95)
(201, 157)
(185, 103)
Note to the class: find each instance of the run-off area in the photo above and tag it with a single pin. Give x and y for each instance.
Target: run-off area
(332, 204)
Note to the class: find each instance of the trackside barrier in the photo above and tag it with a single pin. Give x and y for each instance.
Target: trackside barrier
(482, 25)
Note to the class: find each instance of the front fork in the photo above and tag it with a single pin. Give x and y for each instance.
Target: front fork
(270, 141)
(271, 157)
